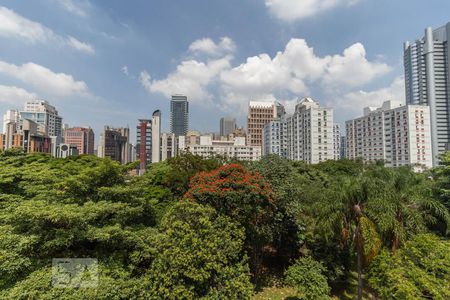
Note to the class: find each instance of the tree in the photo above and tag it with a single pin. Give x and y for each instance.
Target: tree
(244, 196)
(199, 256)
(306, 275)
(419, 270)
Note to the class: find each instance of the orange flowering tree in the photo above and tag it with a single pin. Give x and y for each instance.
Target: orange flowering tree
(243, 195)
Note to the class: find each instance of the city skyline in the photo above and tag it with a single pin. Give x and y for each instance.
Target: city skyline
(110, 60)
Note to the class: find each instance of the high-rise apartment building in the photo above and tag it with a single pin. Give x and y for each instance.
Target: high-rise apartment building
(115, 144)
(310, 132)
(427, 82)
(45, 115)
(337, 141)
(179, 115)
(398, 134)
(82, 138)
(259, 114)
(275, 137)
(227, 126)
(144, 142)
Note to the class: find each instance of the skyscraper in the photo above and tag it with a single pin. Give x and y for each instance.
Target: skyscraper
(227, 126)
(427, 76)
(144, 142)
(179, 115)
(81, 137)
(259, 114)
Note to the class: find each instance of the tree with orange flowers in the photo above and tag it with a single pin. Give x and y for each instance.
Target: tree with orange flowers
(243, 195)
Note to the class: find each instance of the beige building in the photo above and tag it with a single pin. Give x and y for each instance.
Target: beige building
(259, 114)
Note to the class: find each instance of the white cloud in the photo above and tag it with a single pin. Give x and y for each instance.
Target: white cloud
(80, 46)
(292, 72)
(291, 10)
(208, 46)
(13, 25)
(125, 70)
(78, 8)
(354, 102)
(14, 95)
(191, 78)
(45, 80)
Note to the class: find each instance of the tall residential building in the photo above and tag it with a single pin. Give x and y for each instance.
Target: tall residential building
(179, 115)
(115, 144)
(259, 114)
(275, 137)
(337, 141)
(207, 147)
(227, 126)
(80, 137)
(427, 82)
(10, 116)
(398, 134)
(310, 132)
(144, 143)
(45, 115)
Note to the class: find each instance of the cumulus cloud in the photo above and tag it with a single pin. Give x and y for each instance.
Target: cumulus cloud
(354, 102)
(14, 95)
(13, 25)
(191, 78)
(289, 73)
(45, 80)
(291, 10)
(209, 47)
(125, 70)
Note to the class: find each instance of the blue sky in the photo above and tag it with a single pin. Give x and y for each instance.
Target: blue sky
(113, 62)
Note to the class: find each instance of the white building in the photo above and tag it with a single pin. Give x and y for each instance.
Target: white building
(337, 141)
(275, 137)
(398, 134)
(168, 146)
(310, 132)
(206, 147)
(10, 116)
(427, 75)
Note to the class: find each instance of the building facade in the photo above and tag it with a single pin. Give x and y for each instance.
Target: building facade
(310, 132)
(275, 137)
(82, 138)
(227, 126)
(259, 114)
(44, 114)
(337, 141)
(115, 144)
(144, 143)
(427, 82)
(179, 115)
(10, 116)
(206, 147)
(397, 134)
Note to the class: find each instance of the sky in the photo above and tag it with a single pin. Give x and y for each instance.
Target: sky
(114, 62)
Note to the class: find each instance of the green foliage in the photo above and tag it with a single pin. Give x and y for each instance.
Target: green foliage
(420, 270)
(199, 256)
(306, 275)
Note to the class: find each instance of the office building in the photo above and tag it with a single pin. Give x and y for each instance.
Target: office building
(45, 115)
(427, 82)
(115, 144)
(227, 126)
(179, 115)
(156, 136)
(310, 135)
(144, 143)
(80, 137)
(259, 114)
(207, 147)
(168, 146)
(395, 133)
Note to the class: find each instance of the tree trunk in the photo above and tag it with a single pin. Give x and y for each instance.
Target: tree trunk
(359, 255)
